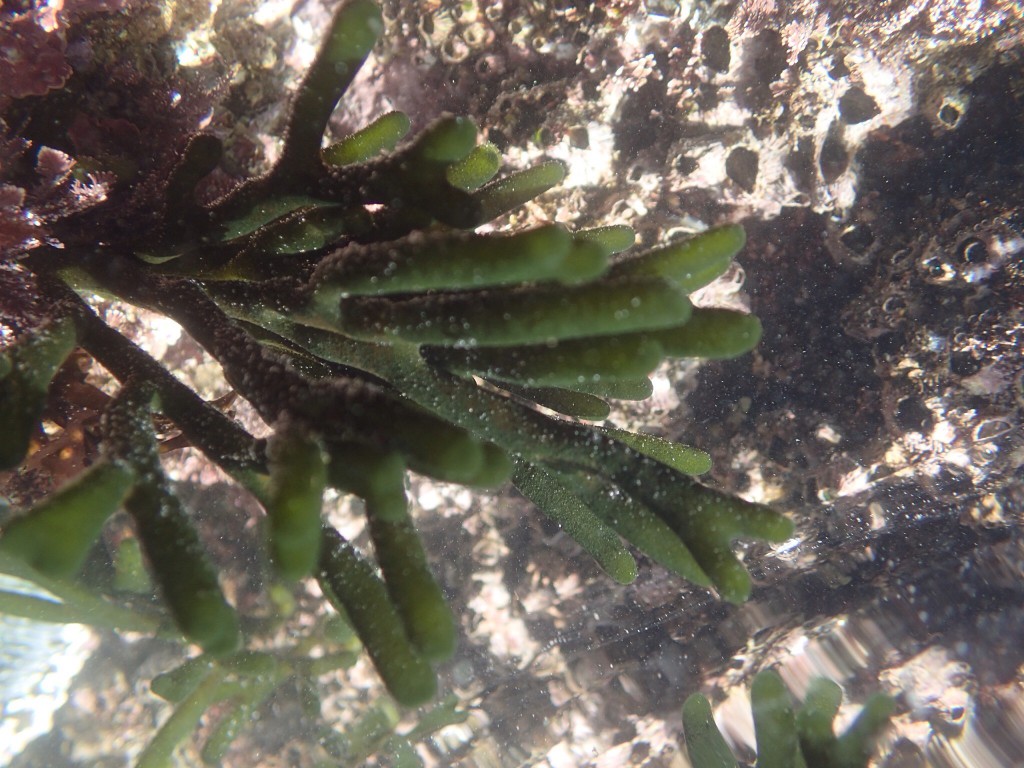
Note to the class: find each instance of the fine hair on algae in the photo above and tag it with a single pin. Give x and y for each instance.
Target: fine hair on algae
(348, 298)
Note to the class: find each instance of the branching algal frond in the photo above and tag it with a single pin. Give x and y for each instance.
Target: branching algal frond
(788, 736)
(361, 258)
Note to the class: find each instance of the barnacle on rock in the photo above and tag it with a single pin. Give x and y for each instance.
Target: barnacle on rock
(346, 298)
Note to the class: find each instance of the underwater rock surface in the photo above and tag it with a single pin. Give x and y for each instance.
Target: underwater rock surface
(873, 152)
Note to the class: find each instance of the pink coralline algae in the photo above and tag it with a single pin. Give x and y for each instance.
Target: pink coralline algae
(15, 226)
(51, 194)
(32, 53)
(33, 45)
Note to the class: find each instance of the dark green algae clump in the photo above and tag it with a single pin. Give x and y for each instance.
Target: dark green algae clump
(347, 298)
